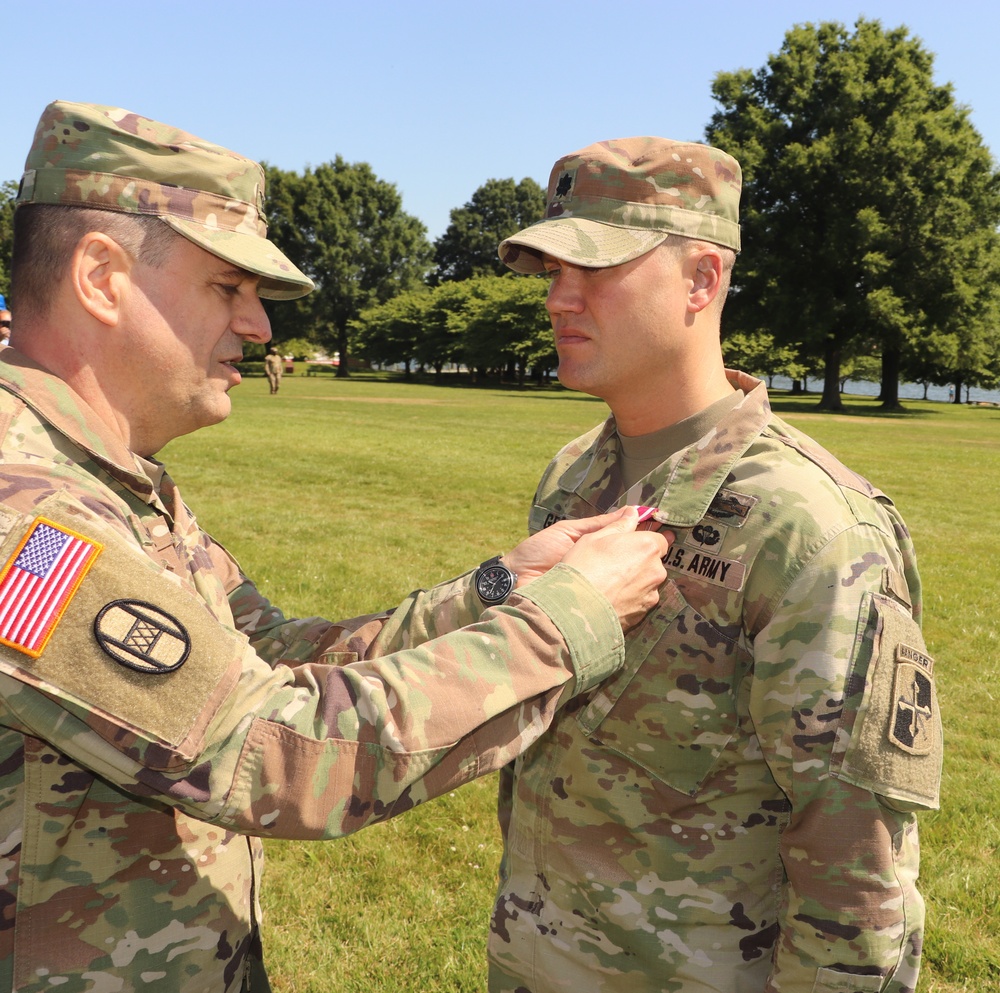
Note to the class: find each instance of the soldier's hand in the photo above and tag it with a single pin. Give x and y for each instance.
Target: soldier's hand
(624, 564)
(539, 553)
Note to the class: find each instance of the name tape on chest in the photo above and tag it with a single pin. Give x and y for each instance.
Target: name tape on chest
(695, 563)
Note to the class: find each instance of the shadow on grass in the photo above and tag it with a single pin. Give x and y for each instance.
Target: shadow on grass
(782, 401)
(463, 381)
(854, 406)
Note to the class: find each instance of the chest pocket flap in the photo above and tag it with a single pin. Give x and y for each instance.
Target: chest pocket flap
(672, 708)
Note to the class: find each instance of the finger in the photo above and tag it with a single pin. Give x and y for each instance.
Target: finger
(577, 527)
(621, 521)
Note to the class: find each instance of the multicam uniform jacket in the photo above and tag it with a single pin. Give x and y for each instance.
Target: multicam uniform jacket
(157, 713)
(733, 811)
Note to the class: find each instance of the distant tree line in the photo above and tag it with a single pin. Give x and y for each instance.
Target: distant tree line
(870, 214)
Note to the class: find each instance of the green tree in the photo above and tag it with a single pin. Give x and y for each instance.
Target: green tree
(497, 210)
(391, 332)
(8, 190)
(346, 229)
(507, 326)
(496, 323)
(861, 178)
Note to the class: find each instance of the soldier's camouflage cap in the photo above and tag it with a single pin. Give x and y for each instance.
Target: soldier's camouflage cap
(87, 155)
(616, 200)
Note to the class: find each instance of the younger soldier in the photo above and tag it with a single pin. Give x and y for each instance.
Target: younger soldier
(733, 812)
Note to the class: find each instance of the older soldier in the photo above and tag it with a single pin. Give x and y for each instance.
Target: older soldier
(156, 712)
(733, 812)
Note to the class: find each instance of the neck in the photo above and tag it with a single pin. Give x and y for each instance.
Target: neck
(669, 399)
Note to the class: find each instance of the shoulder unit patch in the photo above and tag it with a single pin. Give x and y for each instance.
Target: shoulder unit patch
(142, 637)
(913, 701)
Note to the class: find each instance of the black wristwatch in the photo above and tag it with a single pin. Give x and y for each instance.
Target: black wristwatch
(494, 581)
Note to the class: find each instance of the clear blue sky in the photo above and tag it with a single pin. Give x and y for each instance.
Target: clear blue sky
(437, 95)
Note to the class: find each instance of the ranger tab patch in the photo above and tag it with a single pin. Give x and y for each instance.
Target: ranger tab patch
(38, 581)
(912, 694)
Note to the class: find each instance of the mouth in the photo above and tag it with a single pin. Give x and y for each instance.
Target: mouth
(570, 336)
(234, 373)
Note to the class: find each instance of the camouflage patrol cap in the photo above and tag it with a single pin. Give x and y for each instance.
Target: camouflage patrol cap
(87, 155)
(616, 200)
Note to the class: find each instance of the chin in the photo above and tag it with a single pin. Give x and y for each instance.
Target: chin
(575, 381)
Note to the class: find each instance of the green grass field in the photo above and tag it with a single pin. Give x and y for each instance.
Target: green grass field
(341, 496)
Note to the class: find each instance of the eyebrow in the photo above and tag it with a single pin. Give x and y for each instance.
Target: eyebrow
(236, 272)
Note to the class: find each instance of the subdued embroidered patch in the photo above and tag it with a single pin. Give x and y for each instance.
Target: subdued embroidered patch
(731, 507)
(142, 637)
(38, 582)
(913, 701)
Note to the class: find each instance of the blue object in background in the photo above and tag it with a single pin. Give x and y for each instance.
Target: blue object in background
(3, 303)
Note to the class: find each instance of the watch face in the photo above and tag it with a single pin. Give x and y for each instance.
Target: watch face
(494, 583)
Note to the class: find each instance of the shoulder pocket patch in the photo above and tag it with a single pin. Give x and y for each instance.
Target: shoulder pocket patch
(889, 739)
(133, 651)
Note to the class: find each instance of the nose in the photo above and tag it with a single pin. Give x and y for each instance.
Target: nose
(564, 296)
(250, 320)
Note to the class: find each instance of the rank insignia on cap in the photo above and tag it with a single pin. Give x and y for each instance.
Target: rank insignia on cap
(562, 193)
(142, 637)
(913, 701)
(38, 582)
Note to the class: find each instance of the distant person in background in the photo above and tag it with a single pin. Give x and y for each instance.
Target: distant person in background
(158, 716)
(734, 812)
(5, 320)
(274, 366)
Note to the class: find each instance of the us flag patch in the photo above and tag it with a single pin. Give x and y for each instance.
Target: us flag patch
(38, 581)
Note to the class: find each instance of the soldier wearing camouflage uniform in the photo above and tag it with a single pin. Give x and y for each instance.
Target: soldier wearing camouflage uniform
(734, 811)
(157, 714)
(274, 366)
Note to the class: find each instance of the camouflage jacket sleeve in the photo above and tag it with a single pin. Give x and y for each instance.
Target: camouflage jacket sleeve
(423, 615)
(827, 670)
(313, 751)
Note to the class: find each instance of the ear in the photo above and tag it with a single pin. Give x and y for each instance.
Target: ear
(706, 280)
(99, 274)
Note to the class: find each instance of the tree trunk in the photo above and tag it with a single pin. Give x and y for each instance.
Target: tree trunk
(831, 379)
(958, 391)
(342, 370)
(890, 379)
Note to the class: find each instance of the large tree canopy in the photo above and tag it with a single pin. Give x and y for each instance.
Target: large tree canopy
(870, 203)
(8, 190)
(346, 229)
(497, 210)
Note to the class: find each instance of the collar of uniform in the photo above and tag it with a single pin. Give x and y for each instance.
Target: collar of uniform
(54, 401)
(690, 480)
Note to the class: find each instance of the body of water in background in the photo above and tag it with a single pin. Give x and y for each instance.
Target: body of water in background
(907, 391)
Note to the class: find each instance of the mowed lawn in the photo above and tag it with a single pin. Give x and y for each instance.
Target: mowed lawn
(339, 497)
